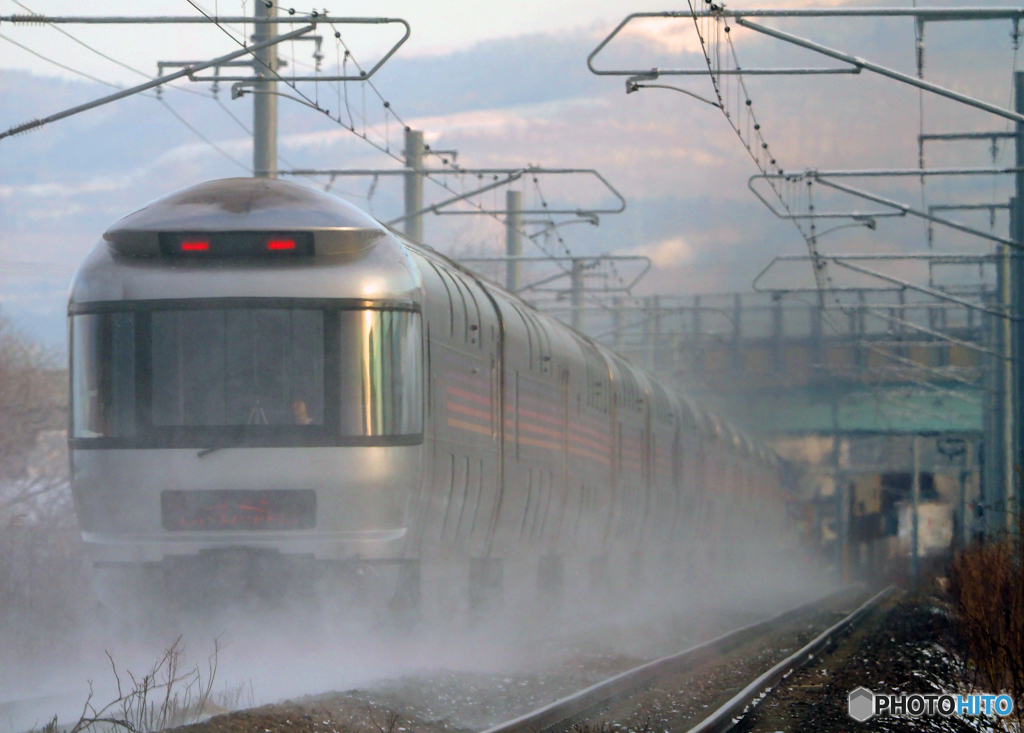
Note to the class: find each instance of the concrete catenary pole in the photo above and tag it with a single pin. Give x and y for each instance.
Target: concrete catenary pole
(1015, 498)
(1007, 329)
(617, 323)
(513, 238)
(264, 104)
(966, 476)
(915, 559)
(414, 184)
(577, 293)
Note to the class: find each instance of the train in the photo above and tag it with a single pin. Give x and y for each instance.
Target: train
(268, 386)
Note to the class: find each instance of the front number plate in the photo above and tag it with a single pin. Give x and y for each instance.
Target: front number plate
(281, 509)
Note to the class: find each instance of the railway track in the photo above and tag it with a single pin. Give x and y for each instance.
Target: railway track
(616, 698)
(451, 700)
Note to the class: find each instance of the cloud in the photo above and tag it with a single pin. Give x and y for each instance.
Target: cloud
(675, 36)
(670, 252)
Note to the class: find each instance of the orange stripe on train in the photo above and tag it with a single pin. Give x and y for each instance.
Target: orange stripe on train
(456, 407)
(471, 396)
(473, 427)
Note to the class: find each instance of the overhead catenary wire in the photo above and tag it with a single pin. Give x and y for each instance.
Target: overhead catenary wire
(747, 127)
(314, 103)
(178, 116)
(386, 105)
(96, 51)
(744, 121)
(337, 120)
(220, 151)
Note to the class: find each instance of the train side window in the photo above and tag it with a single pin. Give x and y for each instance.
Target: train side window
(662, 409)
(597, 378)
(459, 325)
(545, 348)
(473, 321)
(461, 287)
(448, 292)
(103, 375)
(542, 360)
(381, 360)
(531, 344)
(630, 389)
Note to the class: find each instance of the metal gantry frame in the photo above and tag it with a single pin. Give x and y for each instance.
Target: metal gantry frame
(585, 214)
(895, 208)
(262, 58)
(1010, 343)
(415, 172)
(855, 64)
(577, 274)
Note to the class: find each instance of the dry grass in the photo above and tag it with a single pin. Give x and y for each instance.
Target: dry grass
(987, 587)
(168, 695)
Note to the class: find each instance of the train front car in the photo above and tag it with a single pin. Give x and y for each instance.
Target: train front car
(246, 390)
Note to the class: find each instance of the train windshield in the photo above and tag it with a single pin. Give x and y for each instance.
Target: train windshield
(221, 376)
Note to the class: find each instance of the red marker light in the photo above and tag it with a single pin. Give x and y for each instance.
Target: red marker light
(195, 246)
(278, 245)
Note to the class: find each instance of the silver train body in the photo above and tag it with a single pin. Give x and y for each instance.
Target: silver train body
(260, 370)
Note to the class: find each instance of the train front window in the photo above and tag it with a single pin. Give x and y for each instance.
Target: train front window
(152, 376)
(238, 367)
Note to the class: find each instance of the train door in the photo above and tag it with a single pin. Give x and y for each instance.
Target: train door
(563, 476)
(472, 399)
(437, 468)
(590, 445)
(463, 343)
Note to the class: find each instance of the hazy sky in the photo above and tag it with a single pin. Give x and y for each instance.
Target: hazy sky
(438, 27)
(506, 84)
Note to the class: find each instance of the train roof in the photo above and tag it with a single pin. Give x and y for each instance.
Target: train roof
(291, 241)
(246, 205)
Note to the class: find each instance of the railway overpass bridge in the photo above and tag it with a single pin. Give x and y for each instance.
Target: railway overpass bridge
(871, 390)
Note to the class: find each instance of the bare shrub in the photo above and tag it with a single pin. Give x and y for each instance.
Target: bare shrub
(44, 589)
(388, 724)
(987, 587)
(167, 696)
(33, 401)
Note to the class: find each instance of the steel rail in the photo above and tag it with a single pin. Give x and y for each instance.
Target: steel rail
(625, 683)
(725, 717)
